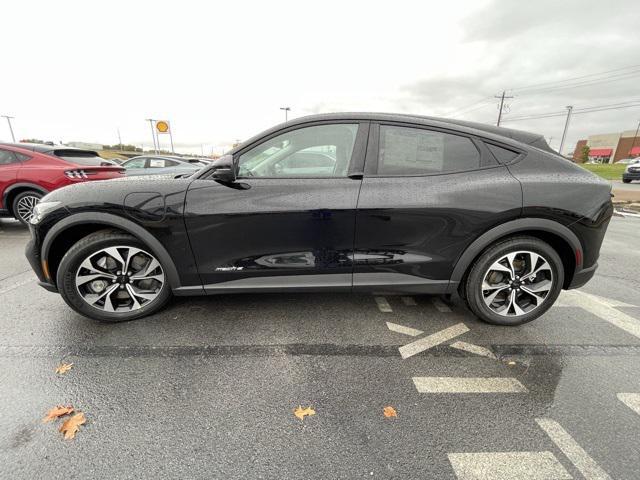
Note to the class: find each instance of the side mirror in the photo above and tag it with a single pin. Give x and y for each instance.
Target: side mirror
(224, 169)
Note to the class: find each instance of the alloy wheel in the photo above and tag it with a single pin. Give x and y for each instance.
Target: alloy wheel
(24, 207)
(120, 279)
(517, 283)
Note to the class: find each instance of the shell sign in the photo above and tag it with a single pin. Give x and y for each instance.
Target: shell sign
(162, 126)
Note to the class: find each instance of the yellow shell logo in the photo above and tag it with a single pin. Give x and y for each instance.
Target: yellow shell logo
(162, 126)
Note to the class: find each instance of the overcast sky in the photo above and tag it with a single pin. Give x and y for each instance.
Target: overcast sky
(219, 71)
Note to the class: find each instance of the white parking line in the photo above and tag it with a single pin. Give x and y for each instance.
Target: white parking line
(508, 466)
(394, 327)
(631, 400)
(409, 301)
(602, 309)
(440, 305)
(574, 452)
(432, 340)
(471, 348)
(468, 385)
(383, 305)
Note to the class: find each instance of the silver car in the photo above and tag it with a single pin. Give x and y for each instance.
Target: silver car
(161, 165)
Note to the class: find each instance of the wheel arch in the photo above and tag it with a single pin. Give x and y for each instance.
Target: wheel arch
(563, 240)
(79, 225)
(17, 188)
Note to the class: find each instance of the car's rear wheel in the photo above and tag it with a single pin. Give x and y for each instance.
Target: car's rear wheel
(514, 281)
(112, 276)
(23, 205)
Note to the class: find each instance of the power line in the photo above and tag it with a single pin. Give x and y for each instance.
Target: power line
(526, 87)
(585, 83)
(578, 111)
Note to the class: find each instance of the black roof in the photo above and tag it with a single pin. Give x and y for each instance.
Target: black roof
(42, 148)
(475, 128)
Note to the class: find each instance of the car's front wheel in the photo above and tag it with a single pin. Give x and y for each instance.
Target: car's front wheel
(514, 281)
(112, 276)
(626, 180)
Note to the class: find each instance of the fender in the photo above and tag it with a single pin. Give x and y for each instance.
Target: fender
(14, 186)
(128, 226)
(514, 226)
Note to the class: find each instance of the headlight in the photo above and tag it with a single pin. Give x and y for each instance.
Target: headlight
(41, 209)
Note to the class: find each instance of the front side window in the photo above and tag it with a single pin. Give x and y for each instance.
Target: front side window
(319, 151)
(161, 163)
(414, 151)
(7, 157)
(135, 163)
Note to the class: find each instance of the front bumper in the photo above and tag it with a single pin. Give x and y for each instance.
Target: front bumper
(33, 256)
(631, 176)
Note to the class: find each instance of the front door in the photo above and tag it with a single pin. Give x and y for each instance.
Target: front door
(9, 165)
(289, 222)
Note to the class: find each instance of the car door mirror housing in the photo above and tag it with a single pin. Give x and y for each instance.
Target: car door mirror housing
(224, 170)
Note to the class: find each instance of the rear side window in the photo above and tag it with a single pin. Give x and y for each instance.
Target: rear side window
(414, 151)
(7, 157)
(503, 155)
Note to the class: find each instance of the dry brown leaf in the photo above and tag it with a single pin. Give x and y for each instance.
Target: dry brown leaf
(71, 426)
(389, 412)
(64, 368)
(303, 412)
(57, 411)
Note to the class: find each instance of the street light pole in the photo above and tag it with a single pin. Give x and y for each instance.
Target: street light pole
(120, 140)
(153, 135)
(566, 127)
(286, 112)
(13, 137)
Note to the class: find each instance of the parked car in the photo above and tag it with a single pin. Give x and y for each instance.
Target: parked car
(30, 171)
(409, 205)
(161, 165)
(627, 161)
(632, 172)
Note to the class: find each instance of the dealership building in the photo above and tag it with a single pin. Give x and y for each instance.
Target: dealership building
(609, 147)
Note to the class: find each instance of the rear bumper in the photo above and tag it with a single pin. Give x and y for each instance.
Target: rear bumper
(583, 276)
(33, 256)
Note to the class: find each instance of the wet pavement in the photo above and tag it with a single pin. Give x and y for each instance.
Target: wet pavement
(207, 387)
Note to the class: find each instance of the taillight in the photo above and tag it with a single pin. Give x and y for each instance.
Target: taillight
(78, 174)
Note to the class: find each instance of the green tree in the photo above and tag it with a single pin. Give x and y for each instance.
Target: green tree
(584, 154)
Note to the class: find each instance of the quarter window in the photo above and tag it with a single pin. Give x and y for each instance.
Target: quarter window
(414, 151)
(319, 151)
(503, 155)
(7, 157)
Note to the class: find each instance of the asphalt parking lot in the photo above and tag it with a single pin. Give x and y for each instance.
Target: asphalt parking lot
(207, 387)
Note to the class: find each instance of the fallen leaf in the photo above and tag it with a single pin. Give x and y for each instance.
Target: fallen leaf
(71, 426)
(64, 368)
(57, 411)
(511, 363)
(303, 412)
(389, 412)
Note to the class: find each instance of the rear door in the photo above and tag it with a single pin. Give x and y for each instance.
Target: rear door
(9, 166)
(426, 195)
(283, 224)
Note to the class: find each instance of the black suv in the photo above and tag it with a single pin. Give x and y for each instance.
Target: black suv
(340, 202)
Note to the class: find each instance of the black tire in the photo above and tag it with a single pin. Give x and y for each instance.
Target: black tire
(473, 293)
(18, 205)
(626, 180)
(84, 248)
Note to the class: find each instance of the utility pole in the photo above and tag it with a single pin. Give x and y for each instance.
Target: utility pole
(286, 112)
(633, 144)
(120, 140)
(13, 137)
(153, 134)
(501, 97)
(566, 127)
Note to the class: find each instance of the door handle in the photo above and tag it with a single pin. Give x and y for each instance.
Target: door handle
(356, 175)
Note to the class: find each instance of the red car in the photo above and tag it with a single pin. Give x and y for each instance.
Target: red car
(30, 171)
